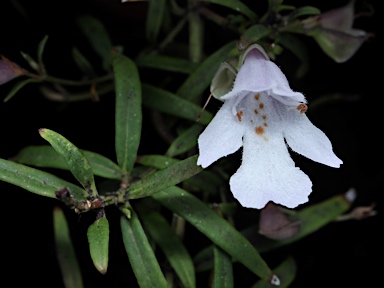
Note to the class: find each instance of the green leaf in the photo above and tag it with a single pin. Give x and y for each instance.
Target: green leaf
(66, 256)
(206, 181)
(82, 62)
(155, 15)
(140, 253)
(46, 156)
(166, 63)
(98, 239)
(201, 78)
(163, 234)
(312, 219)
(98, 36)
(286, 272)
(204, 259)
(128, 115)
(223, 270)
(167, 102)
(185, 141)
(235, 5)
(31, 62)
(220, 231)
(254, 34)
(18, 86)
(156, 161)
(102, 166)
(77, 163)
(304, 11)
(36, 181)
(40, 52)
(299, 49)
(164, 178)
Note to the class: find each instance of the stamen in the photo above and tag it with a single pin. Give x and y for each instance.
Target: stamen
(205, 105)
(239, 115)
(302, 108)
(209, 98)
(259, 130)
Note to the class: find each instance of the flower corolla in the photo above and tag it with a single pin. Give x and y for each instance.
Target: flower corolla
(263, 115)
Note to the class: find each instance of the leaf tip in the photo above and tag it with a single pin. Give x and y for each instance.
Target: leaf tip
(102, 269)
(275, 280)
(350, 195)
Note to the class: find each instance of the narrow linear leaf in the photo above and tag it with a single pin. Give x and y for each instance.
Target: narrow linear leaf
(166, 63)
(155, 16)
(40, 51)
(223, 270)
(103, 166)
(167, 102)
(140, 253)
(128, 115)
(203, 181)
(206, 181)
(31, 62)
(78, 164)
(220, 231)
(18, 86)
(185, 141)
(164, 178)
(156, 161)
(312, 219)
(235, 5)
(46, 156)
(298, 48)
(82, 62)
(98, 240)
(204, 259)
(201, 78)
(65, 251)
(286, 272)
(36, 181)
(163, 234)
(254, 34)
(98, 36)
(304, 11)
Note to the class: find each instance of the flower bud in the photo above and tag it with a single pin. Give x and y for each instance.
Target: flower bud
(9, 70)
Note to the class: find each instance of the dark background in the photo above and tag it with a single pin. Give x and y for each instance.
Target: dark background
(339, 255)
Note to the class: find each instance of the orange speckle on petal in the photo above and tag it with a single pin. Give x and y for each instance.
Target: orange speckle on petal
(265, 124)
(256, 112)
(261, 105)
(257, 96)
(259, 130)
(264, 117)
(239, 115)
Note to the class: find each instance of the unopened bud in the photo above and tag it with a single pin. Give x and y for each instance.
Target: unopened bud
(9, 70)
(274, 224)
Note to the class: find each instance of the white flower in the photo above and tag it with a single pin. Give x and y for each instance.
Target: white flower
(263, 114)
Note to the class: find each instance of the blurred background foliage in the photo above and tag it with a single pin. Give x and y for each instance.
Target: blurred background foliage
(344, 102)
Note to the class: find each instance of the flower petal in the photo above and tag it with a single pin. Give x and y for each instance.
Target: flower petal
(223, 136)
(268, 174)
(308, 140)
(258, 74)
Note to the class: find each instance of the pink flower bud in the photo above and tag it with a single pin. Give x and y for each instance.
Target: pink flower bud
(9, 70)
